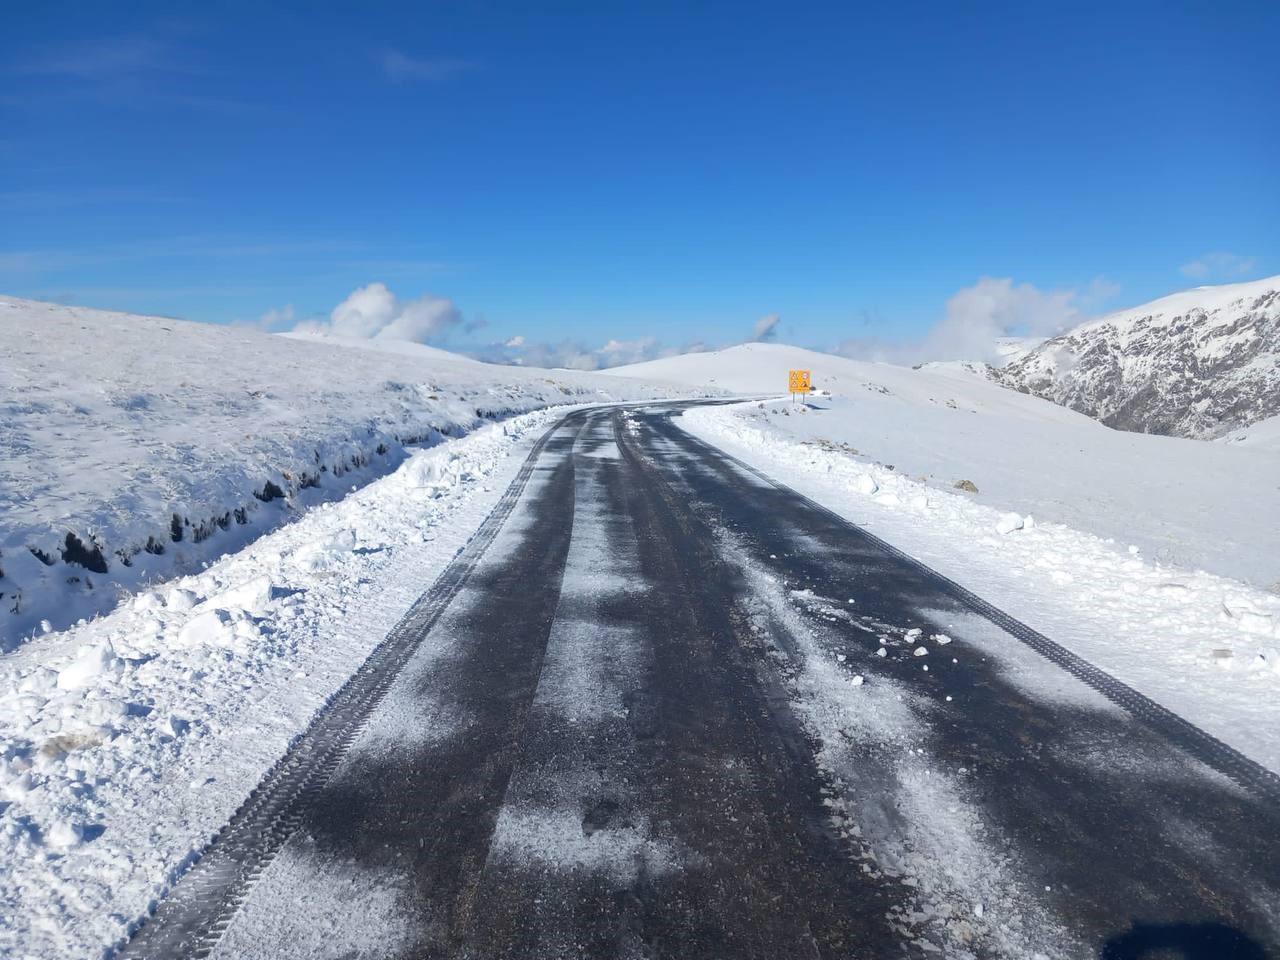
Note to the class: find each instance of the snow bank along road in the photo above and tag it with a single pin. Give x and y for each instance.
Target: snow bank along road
(663, 707)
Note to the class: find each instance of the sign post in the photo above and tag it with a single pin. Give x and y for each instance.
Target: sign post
(798, 382)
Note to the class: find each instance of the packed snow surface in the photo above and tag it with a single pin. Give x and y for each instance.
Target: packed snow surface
(136, 448)
(869, 734)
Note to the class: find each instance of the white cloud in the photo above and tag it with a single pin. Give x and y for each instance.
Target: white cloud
(1218, 264)
(615, 353)
(109, 58)
(566, 354)
(994, 308)
(374, 311)
(400, 66)
(1099, 290)
(977, 316)
(575, 355)
(766, 328)
(276, 317)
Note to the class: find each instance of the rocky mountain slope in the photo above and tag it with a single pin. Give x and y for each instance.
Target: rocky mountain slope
(1200, 363)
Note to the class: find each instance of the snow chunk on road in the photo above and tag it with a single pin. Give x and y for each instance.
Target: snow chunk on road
(64, 835)
(179, 599)
(253, 596)
(91, 663)
(328, 553)
(436, 475)
(213, 628)
(1008, 523)
(1249, 619)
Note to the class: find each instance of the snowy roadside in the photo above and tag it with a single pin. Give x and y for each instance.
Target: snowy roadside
(1204, 646)
(129, 740)
(136, 449)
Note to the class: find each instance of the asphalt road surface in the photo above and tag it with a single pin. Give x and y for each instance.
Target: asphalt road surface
(664, 708)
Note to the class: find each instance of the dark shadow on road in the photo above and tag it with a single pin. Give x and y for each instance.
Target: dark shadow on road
(1182, 941)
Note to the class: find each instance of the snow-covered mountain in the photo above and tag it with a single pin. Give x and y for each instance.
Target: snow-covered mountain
(1200, 363)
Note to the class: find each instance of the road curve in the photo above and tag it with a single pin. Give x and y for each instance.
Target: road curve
(663, 707)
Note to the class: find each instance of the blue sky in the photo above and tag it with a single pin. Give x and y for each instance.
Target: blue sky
(594, 171)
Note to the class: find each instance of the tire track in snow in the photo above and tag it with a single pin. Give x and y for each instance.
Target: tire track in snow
(190, 921)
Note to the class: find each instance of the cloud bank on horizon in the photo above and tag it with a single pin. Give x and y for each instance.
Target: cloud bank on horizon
(375, 312)
(1219, 263)
(978, 317)
(975, 320)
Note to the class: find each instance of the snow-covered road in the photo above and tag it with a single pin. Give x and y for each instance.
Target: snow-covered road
(674, 709)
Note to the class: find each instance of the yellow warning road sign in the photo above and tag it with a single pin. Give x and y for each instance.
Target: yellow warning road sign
(798, 381)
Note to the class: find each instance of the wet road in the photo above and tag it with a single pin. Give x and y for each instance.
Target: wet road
(666, 708)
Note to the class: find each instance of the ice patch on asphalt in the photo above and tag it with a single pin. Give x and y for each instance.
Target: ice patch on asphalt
(412, 715)
(313, 904)
(582, 670)
(577, 809)
(922, 828)
(601, 451)
(556, 838)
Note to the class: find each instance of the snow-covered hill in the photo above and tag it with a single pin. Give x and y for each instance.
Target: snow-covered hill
(761, 368)
(1183, 502)
(385, 345)
(1264, 433)
(134, 448)
(1201, 363)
